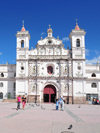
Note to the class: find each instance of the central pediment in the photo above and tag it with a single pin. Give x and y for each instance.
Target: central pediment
(49, 41)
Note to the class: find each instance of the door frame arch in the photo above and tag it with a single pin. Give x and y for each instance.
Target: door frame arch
(53, 84)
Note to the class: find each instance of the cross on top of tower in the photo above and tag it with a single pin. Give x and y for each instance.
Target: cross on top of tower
(23, 22)
(49, 26)
(77, 27)
(76, 21)
(49, 30)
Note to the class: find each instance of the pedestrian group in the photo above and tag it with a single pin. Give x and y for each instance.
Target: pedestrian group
(19, 100)
(60, 104)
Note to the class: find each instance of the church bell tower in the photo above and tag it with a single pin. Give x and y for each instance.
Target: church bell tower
(77, 38)
(22, 49)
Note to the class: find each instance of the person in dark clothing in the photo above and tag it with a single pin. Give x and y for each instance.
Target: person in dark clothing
(23, 101)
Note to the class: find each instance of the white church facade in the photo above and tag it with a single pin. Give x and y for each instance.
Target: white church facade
(49, 71)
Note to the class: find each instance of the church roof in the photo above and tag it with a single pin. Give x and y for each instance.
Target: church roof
(23, 28)
(77, 27)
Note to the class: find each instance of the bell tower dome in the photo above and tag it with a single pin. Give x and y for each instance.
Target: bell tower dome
(49, 31)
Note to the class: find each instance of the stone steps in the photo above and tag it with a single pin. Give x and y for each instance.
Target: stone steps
(9, 100)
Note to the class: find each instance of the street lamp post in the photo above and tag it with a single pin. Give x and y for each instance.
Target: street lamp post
(36, 94)
(68, 93)
(59, 78)
(72, 80)
(36, 84)
(68, 83)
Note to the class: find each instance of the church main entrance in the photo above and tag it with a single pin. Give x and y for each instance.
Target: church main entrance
(49, 94)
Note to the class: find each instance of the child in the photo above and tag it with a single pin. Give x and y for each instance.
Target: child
(57, 104)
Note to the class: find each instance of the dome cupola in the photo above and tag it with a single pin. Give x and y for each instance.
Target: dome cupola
(49, 31)
(77, 27)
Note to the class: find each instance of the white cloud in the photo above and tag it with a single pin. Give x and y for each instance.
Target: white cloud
(93, 61)
(65, 39)
(43, 33)
(0, 53)
(87, 52)
(97, 52)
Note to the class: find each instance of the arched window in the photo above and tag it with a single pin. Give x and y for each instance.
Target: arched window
(2, 74)
(78, 43)
(1, 84)
(94, 85)
(50, 69)
(22, 43)
(93, 75)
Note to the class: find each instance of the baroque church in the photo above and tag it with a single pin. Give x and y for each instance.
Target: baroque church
(50, 71)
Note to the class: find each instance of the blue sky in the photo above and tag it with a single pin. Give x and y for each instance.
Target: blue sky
(38, 14)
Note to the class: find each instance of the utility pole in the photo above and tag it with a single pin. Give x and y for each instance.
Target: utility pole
(68, 83)
(59, 78)
(72, 80)
(36, 83)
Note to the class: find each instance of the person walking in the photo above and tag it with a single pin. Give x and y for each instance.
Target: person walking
(97, 101)
(62, 105)
(57, 104)
(23, 101)
(18, 102)
(61, 101)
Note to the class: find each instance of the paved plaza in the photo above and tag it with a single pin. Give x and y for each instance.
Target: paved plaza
(45, 119)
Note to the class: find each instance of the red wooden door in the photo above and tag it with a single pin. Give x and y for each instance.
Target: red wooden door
(50, 89)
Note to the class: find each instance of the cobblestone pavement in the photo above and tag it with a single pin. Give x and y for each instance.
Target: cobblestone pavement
(45, 119)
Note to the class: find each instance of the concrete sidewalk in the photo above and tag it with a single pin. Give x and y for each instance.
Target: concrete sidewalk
(45, 119)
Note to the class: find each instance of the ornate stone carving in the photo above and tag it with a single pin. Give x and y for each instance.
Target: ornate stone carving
(79, 74)
(34, 88)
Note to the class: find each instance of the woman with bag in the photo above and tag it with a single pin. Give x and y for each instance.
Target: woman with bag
(23, 101)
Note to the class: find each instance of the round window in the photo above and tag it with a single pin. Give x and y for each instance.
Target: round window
(49, 41)
(22, 68)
